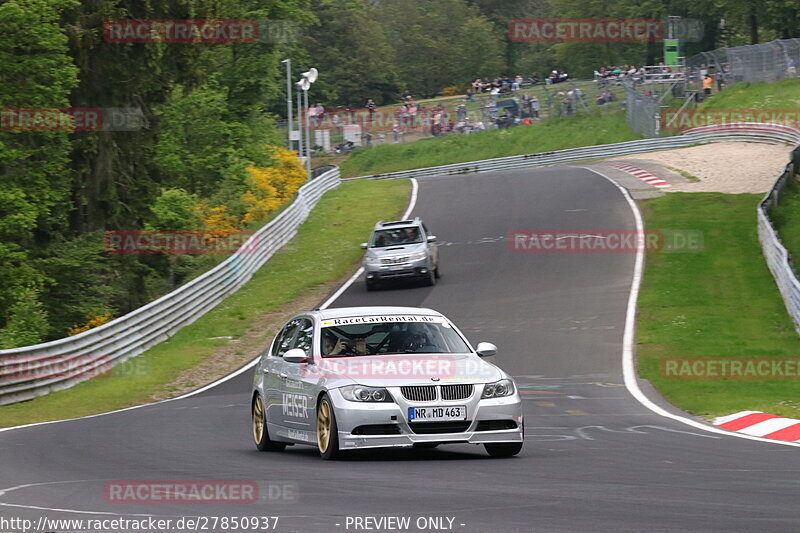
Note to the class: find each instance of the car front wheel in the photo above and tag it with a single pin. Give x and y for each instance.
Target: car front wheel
(327, 432)
(503, 449)
(430, 278)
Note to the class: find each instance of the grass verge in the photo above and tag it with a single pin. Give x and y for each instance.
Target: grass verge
(325, 249)
(781, 95)
(553, 134)
(721, 302)
(786, 218)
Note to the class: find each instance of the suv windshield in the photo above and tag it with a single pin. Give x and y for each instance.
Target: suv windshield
(395, 236)
(387, 335)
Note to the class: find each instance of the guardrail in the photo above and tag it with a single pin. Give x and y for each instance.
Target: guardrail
(36, 370)
(778, 258)
(742, 131)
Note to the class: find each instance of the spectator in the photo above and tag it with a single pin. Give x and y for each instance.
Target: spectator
(517, 83)
(708, 83)
(370, 105)
(535, 107)
(436, 125)
(337, 123)
(470, 96)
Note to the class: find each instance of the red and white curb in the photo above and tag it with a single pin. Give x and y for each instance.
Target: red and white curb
(761, 424)
(642, 174)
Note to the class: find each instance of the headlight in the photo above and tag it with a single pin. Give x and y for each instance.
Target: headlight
(361, 393)
(372, 260)
(417, 256)
(504, 387)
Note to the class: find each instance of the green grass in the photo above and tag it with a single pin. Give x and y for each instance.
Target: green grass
(325, 249)
(554, 134)
(779, 95)
(786, 218)
(685, 174)
(721, 302)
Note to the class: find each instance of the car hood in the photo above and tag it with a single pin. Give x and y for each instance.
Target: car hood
(398, 249)
(407, 369)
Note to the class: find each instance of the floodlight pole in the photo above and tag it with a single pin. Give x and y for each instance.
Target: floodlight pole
(290, 119)
(299, 124)
(306, 79)
(308, 135)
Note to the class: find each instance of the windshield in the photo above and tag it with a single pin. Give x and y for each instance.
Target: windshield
(395, 236)
(388, 335)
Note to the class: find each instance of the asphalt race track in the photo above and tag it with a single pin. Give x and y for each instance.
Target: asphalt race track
(594, 459)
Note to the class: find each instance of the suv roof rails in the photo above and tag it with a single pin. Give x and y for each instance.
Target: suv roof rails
(398, 222)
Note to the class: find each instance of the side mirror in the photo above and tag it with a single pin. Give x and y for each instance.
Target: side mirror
(295, 355)
(431, 238)
(364, 246)
(484, 349)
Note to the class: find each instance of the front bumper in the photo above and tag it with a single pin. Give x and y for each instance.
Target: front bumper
(391, 420)
(412, 269)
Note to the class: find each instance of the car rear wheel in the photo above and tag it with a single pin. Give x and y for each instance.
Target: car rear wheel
(327, 432)
(503, 449)
(260, 433)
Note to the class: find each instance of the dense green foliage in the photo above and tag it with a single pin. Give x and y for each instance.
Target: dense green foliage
(208, 113)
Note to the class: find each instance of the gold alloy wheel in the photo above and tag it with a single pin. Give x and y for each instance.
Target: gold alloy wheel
(258, 420)
(324, 425)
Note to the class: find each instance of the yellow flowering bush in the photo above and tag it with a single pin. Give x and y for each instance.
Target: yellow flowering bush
(94, 321)
(271, 187)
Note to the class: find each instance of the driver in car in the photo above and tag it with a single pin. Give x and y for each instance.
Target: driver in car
(411, 235)
(419, 341)
(337, 346)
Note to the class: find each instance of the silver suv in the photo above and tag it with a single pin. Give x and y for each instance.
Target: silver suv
(401, 249)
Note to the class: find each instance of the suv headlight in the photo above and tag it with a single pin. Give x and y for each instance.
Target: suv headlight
(362, 393)
(416, 256)
(504, 387)
(370, 260)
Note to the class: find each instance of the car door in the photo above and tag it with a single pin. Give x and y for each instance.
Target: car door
(298, 388)
(273, 367)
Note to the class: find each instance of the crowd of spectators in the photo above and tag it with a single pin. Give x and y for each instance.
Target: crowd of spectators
(616, 74)
(556, 76)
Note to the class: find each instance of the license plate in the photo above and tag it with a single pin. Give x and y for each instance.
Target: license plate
(437, 414)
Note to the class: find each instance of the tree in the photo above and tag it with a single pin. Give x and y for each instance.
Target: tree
(477, 52)
(37, 72)
(27, 322)
(357, 61)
